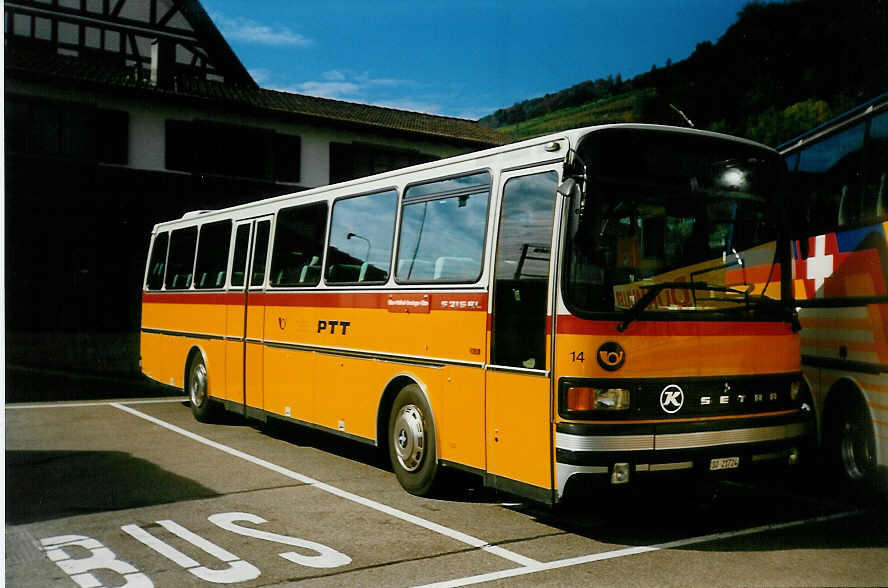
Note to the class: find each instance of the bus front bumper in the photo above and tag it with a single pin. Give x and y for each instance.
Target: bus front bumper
(621, 452)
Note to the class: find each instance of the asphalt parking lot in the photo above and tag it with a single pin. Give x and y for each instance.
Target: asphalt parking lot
(135, 492)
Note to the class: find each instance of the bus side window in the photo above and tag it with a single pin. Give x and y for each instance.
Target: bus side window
(443, 228)
(876, 189)
(361, 233)
(299, 245)
(212, 254)
(831, 170)
(443, 239)
(157, 262)
(260, 253)
(239, 260)
(521, 272)
(180, 262)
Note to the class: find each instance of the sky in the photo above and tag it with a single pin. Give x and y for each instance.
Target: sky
(460, 58)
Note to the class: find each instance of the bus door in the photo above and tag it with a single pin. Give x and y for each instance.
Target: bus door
(246, 320)
(518, 374)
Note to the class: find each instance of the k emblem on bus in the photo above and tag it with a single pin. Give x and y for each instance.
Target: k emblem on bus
(672, 399)
(611, 356)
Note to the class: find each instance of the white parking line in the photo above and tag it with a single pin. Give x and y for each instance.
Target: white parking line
(435, 527)
(584, 559)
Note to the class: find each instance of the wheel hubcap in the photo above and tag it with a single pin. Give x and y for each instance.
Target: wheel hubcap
(855, 452)
(409, 438)
(198, 387)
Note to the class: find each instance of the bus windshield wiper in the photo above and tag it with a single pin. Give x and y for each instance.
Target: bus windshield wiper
(654, 290)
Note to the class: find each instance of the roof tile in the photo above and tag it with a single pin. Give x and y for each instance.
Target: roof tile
(21, 62)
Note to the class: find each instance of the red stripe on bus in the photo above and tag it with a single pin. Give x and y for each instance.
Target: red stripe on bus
(571, 325)
(192, 297)
(388, 300)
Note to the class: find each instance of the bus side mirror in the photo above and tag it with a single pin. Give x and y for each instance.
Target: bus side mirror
(576, 223)
(571, 190)
(568, 187)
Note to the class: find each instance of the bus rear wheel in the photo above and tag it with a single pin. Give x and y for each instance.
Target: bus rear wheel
(411, 442)
(198, 390)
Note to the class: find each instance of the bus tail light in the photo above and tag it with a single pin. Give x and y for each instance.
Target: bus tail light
(583, 399)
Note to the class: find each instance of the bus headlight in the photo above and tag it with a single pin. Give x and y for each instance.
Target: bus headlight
(582, 398)
(794, 389)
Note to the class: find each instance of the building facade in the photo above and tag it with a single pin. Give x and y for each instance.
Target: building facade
(123, 113)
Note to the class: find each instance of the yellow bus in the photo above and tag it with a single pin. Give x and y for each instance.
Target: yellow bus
(575, 307)
(839, 173)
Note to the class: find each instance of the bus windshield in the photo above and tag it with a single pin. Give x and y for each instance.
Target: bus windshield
(684, 222)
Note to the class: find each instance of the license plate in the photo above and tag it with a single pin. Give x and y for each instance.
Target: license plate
(724, 463)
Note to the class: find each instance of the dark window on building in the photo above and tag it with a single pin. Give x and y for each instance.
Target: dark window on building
(443, 226)
(362, 230)
(299, 245)
(356, 160)
(180, 262)
(231, 150)
(287, 158)
(179, 146)
(157, 262)
(66, 130)
(241, 249)
(212, 255)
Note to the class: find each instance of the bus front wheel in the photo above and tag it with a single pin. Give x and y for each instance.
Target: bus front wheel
(411, 442)
(198, 390)
(851, 443)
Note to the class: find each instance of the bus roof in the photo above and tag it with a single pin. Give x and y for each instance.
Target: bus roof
(877, 103)
(572, 136)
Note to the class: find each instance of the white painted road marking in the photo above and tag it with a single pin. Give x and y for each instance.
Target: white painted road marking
(326, 557)
(237, 570)
(584, 559)
(527, 565)
(99, 558)
(173, 400)
(426, 524)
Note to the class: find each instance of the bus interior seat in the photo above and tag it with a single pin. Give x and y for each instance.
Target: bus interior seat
(415, 269)
(344, 272)
(311, 272)
(454, 267)
(220, 279)
(283, 277)
(181, 281)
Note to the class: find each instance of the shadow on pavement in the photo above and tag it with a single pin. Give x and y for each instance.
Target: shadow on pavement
(45, 485)
(35, 385)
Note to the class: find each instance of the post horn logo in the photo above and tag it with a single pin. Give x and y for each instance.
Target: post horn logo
(611, 356)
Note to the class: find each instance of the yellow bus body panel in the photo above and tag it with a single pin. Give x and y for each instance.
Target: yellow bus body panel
(519, 447)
